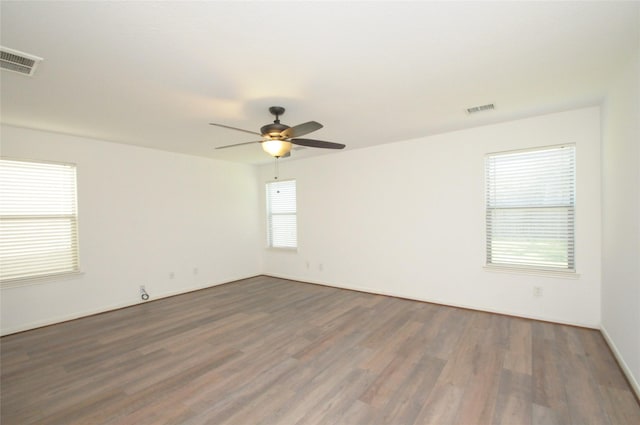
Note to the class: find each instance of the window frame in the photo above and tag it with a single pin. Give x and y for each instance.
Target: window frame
(72, 236)
(570, 271)
(270, 214)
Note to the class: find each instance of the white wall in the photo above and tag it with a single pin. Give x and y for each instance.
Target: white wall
(621, 220)
(407, 219)
(143, 214)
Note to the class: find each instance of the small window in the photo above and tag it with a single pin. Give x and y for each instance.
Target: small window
(530, 209)
(38, 220)
(281, 214)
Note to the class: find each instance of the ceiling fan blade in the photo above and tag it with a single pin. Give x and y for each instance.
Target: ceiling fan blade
(317, 143)
(235, 128)
(301, 130)
(239, 144)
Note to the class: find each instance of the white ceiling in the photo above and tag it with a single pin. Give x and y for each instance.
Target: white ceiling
(156, 73)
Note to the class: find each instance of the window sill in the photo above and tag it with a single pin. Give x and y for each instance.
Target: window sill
(282, 249)
(39, 280)
(532, 272)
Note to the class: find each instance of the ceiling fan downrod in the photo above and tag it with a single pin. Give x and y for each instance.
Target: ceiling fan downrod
(277, 111)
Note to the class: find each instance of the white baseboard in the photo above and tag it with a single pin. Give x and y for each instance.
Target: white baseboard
(115, 306)
(436, 301)
(623, 365)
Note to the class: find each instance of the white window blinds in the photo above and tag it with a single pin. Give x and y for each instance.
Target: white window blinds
(530, 208)
(281, 214)
(38, 220)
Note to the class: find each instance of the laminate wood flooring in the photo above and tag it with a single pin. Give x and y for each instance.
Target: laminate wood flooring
(265, 351)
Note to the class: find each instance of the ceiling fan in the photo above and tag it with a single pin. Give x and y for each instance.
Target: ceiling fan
(277, 138)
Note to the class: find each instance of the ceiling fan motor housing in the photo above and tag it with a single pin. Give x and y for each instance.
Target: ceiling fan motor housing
(273, 131)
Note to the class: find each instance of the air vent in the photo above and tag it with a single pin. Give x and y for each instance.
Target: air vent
(13, 60)
(481, 108)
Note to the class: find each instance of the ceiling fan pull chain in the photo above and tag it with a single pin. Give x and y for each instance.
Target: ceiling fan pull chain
(275, 166)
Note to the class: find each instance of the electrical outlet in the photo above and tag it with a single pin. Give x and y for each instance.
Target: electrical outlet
(320, 267)
(537, 291)
(308, 265)
(172, 275)
(195, 270)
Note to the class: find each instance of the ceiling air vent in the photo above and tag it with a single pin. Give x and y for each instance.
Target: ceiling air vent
(13, 60)
(481, 108)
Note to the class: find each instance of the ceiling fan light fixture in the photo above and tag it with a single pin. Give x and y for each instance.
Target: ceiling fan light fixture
(276, 148)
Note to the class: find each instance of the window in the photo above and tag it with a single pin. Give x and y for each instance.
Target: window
(38, 220)
(530, 208)
(281, 214)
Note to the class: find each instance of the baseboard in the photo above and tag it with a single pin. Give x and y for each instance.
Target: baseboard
(66, 318)
(633, 382)
(115, 306)
(154, 296)
(436, 301)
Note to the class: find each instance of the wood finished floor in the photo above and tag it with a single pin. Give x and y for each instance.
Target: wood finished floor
(268, 351)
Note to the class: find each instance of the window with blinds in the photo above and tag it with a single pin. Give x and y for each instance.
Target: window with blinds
(530, 209)
(38, 220)
(281, 214)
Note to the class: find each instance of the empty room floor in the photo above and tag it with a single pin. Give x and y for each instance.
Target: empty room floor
(272, 351)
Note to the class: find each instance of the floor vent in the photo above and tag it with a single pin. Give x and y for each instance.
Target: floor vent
(15, 61)
(481, 108)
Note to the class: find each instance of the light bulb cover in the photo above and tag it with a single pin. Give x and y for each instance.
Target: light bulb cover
(276, 148)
